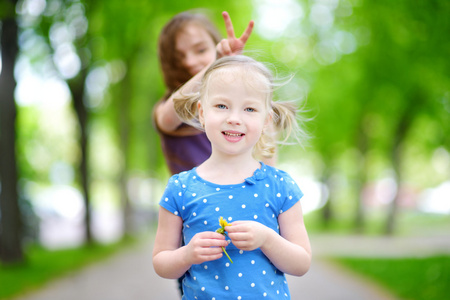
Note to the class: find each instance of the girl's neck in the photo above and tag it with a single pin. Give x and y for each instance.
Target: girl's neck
(228, 171)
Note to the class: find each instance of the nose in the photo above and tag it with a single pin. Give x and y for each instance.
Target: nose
(234, 119)
(189, 60)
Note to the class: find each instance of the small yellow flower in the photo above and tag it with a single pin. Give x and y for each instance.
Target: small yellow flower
(223, 222)
(221, 230)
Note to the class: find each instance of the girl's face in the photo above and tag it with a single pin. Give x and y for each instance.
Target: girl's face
(195, 48)
(233, 112)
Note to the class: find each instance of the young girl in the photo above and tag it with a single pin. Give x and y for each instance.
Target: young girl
(266, 234)
(188, 44)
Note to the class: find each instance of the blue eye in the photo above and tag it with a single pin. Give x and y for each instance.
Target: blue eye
(249, 109)
(221, 106)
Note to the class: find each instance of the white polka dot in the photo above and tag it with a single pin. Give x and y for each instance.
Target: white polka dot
(194, 176)
(278, 195)
(217, 189)
(256, 195)
(216, 277)
(240, 274)
(217, 209)
(255, 217)
(176, 213)
(265, 294)
(239, 297)
(166, 199)
(281, 211)
(203, 288)
(281, 179)
(290, 197)
(188, 226)
(206, 267)
(267, 204)
(264, 272)
(176, 181)
(183, 208)
(195, 278)
(194, 214)
(227, 265)
(213, 298)
(204, 200)
(194, 194)
(267, 185)
(252, 285)
(206, 222)
(243, 186)
(243, 205)
(227, 288)
(241, 251)
(276, 176)
(253, 262)
(230, 197)
(285, 295)
(278, 292)
(179, 194)
(272, 283)
(230, 218)
(184, 186)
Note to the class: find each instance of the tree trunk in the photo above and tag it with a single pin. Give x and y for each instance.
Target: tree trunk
(415, 104)
(10, 227)
(76, 86)
(361, 180)
(124, 131)
(327, 209)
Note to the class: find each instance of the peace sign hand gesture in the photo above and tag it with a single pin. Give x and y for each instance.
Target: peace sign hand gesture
(232, 45)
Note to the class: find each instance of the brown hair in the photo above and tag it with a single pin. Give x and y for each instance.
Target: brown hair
(174, 74)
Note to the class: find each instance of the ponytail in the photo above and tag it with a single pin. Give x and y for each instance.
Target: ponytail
(186, 109)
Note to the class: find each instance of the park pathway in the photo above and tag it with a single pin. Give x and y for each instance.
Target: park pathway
(129, 275)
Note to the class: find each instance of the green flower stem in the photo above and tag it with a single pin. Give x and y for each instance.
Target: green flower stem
(223, 248)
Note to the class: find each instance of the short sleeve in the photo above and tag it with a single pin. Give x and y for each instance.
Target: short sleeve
(172, 196)
(292, 192)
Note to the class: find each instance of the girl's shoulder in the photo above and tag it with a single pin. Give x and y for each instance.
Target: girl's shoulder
(277, 175)
(270, 170)
(183, 178)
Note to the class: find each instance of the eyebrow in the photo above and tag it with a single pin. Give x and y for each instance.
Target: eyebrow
(247, 101)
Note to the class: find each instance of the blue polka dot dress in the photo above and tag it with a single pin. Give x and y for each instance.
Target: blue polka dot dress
(262, 198)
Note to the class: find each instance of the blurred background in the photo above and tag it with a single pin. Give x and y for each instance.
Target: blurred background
(80, 160)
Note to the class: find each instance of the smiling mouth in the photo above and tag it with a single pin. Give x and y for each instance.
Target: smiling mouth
(226, 133)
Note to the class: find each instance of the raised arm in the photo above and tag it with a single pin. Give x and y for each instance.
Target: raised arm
(232, 45)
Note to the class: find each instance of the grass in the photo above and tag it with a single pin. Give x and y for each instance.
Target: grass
(42, 265)
(408, 278)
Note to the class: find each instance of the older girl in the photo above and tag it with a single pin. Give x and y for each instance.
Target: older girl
(188, 45)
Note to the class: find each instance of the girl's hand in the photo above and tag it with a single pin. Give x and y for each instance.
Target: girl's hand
(247, 235)
(232, 45)
(205, 246)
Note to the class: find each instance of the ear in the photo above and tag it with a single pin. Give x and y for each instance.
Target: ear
(201, 117)
(268, 120)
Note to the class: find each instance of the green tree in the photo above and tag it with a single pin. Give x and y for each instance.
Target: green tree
(10, 226)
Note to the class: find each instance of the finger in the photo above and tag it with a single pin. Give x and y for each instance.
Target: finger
(228, 24)
(211, 235)
(238, 236)
(248, 31)
(226, 49)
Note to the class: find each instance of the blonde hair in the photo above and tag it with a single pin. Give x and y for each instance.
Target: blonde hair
(285, 114)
